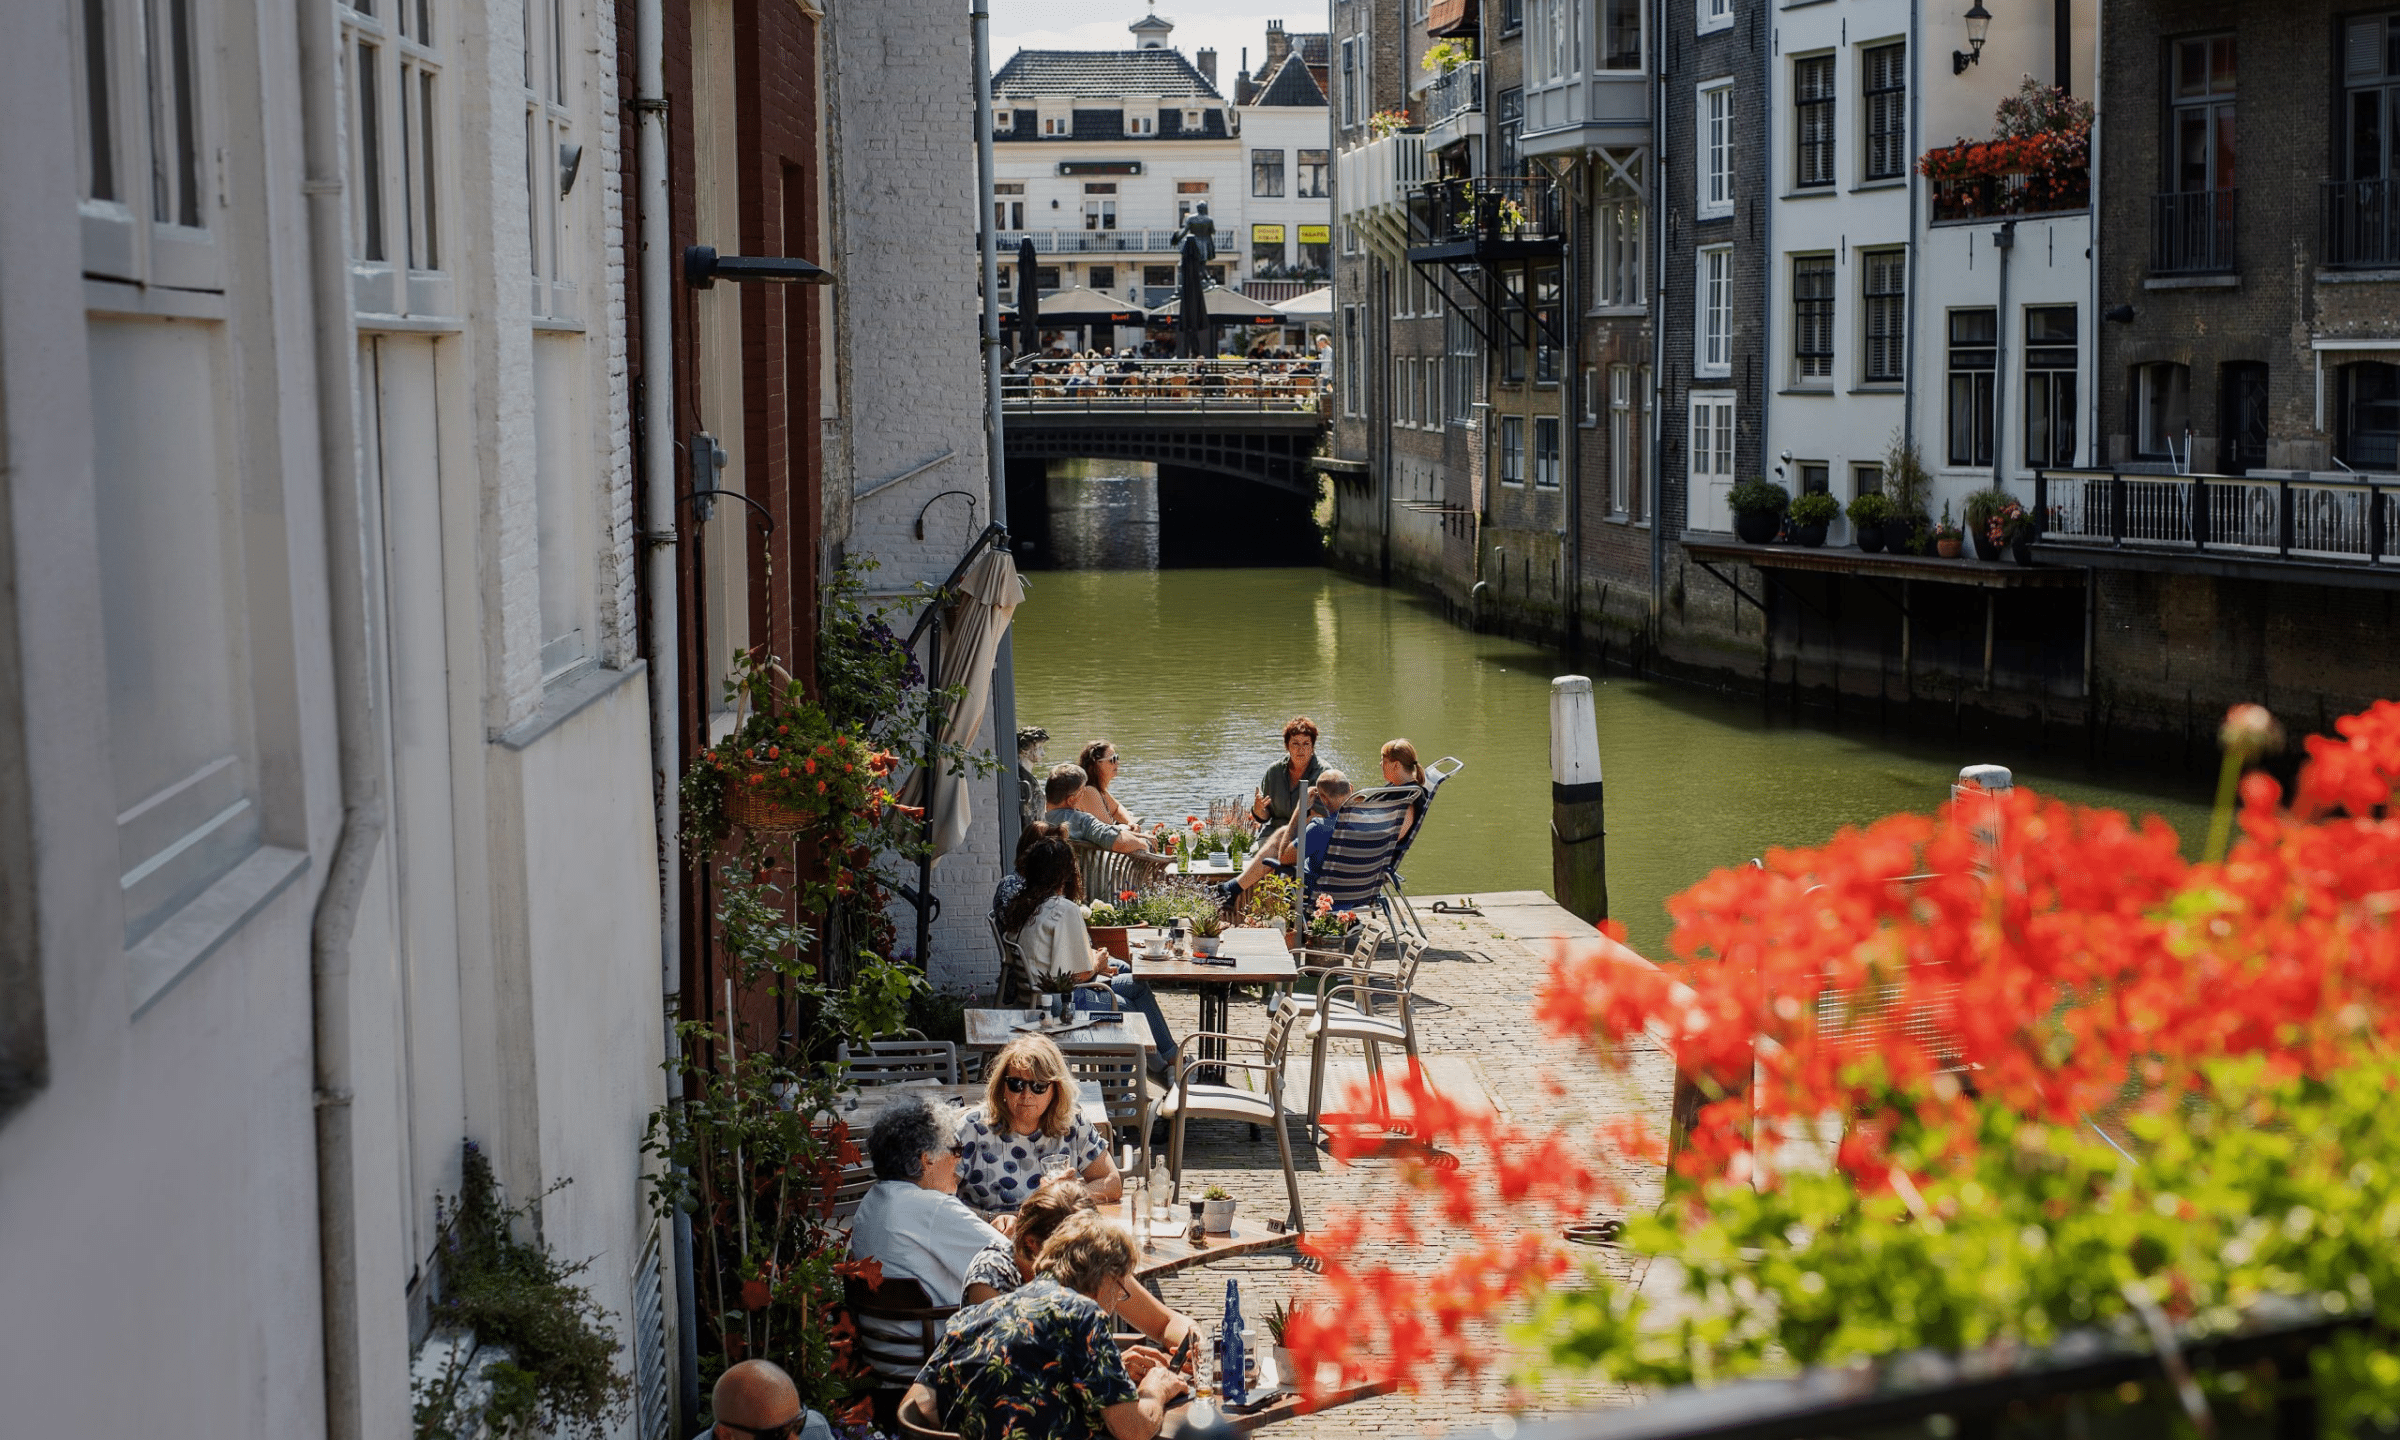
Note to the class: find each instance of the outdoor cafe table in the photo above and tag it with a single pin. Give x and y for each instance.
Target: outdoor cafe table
(1259, 957)
(1107, 1034)
(1285, 1406)
(859, 1108)
(1166, 1254)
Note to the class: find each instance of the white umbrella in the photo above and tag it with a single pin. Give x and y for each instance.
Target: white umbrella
(1318, 302)
(988, 595)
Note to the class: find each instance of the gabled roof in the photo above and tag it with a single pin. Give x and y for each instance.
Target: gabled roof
(1101, 75)
(1291, 84)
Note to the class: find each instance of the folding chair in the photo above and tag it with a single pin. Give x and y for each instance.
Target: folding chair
(1189, 1099)
(1360, 854)
(1372, 1008)
(895, 1062)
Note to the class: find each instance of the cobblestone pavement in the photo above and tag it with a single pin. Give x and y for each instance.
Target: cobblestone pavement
(1483, 972)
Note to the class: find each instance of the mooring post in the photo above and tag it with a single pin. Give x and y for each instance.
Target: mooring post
(1984, 786)
(1578, 837)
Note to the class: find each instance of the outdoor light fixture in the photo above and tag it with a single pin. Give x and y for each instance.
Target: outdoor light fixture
(1979, 25)
(2118, 314)
(703, 266)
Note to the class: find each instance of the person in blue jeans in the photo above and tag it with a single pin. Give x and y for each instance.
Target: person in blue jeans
(1047, 920)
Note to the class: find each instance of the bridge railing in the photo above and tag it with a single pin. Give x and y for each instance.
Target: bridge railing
(1185, 387)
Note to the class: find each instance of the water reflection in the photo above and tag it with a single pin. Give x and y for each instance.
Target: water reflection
(1103, 517)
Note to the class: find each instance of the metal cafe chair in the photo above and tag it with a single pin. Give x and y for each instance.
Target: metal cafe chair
(894, 1062)
(1372, 1008)
(1188, 1099)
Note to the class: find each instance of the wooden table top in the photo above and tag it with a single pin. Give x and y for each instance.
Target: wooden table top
(1282, 1407)
(1165, 1255)
(1260, 958)
(991, 1029)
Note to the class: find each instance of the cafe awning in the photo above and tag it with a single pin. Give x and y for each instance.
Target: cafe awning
(1223, 306)
(1080, 305)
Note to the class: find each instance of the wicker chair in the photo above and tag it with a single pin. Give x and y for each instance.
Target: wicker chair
(1108, 874)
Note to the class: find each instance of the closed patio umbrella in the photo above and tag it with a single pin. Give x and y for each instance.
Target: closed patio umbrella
(1029, 300)
(987, 596)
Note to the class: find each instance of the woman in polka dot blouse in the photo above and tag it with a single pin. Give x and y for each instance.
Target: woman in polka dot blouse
(1031, 1115)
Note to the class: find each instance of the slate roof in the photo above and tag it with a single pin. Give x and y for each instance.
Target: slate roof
(1291, 84)
(1316, 47)
(1101, 75)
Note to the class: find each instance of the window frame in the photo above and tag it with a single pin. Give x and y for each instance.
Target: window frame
(2152, 408)
(2216, 110)
(1512, 451)
(1883, 307)
(1604, 59)
(1815, 284)
(2057, 382)
(1305, 171)
(1971, 368)
(1883, 112)
(123, 233)
(1712, 434)
(1713, 151)
(1265, 171)
(1712, 313)
(1711, 16)
(1816, 92)
(1619, 242)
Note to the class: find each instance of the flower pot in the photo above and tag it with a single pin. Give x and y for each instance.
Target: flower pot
(1810, 535)
(1897, 532)
(1986, 548)
(1756, 527)
(1870, 537)
(1216, 1216)
(753, 811)
(1947, 549)
(1112, 939)
(1206, 944)
(2021, 549)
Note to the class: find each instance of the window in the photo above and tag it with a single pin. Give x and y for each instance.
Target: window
(1350, 353)
(1316, 252)
(1462, 376)
(2050, 333)
(1712, 460)
(2359, 219)
(1103, 277)
(1974, 354)
(2162, 402)
(1045, 278)
(1512, 341)
(1003, 119)
(1715, 153)
(1194, 121)
(1866, 478)
(1812, 113)
(2370, 416)
(1512, 450)
(1813, 477)
(1188, 194)
(1141, 122)
(1621, 440)
(1405, 393)
(145, 136)
(2242, 417)
(1100, 206)
(1715, 15)
(1713, 354)
(1812, 319)
(397, 120)
(1159, 276)
(1545, 452)
(549, 136)
(1511, 120)
(1620, 34)
(1008, 205)
(1512, 16)
(2200, 122)
(1589, 390)
(1311, 169)
(1617, 253)
(1349, 80)
(1056, 126)
(1546, 322)
(1266, 249)
(1883, 282)
(1883, 69)
(1429, 375)
(1266, 174)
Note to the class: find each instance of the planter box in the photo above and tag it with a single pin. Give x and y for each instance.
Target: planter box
(1112, 939)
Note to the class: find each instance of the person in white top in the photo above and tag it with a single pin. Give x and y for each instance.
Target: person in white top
(1049, 928)
(913, 1224)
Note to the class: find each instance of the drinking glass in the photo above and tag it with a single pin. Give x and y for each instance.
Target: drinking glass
(1054, 1166)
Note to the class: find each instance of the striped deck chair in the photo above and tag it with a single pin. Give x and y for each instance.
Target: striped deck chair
(1366, 844)
(1395, 892)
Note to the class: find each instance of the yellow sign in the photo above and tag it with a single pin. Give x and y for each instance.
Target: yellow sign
(1316, 234)
(1266, 234)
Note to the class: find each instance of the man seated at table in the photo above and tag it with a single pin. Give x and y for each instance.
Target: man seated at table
(1083, 827)
(1330, 793)
(1041, 1362)
(913, 1223)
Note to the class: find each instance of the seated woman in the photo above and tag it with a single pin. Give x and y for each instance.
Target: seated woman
(1031, 1114)
(1099, 762)
(1014, 880)
(1041, 1363)
(913, 1224)
(1400, 767)
(997, 1271)
(1047, 921)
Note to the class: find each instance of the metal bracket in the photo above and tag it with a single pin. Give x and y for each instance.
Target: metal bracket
(1755, 602)
(708, 469)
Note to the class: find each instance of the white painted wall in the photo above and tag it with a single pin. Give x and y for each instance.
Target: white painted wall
(1288, 128)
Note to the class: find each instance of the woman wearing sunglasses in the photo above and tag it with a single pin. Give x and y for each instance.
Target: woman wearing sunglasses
(1031, 1121)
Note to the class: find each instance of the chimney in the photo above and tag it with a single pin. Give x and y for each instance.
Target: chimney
(1207, 61)
(1278, 45)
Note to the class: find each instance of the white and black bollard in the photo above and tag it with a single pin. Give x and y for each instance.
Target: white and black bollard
(1986, 787)
(1578, 834)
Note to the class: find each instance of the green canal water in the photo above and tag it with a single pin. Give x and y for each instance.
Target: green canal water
(1192, 672)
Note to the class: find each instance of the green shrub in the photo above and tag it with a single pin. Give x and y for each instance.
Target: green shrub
(1870, 509)
(1815, 508)
(1759, 497)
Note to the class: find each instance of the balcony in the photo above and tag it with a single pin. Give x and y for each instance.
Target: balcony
(1092, 242)
(2359, 224)
(2005, 179)
(1453, 106)
(2191, 232)
(1489, 218)
(2227, 524)
(1372, 186)
(1597, 109)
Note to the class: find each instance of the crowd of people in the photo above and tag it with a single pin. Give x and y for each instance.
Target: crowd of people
(1267, 372)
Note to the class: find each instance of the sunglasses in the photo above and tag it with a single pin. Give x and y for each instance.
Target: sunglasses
(784, 1431)
(1017, 1086)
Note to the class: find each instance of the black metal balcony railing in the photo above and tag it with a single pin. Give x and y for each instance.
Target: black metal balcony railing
(1493, 211)
(1458, 92)
(2191, 232)
(2245, 516)
(2359, 224)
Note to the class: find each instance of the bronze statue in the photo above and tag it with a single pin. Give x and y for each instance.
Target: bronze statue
(1199, 227)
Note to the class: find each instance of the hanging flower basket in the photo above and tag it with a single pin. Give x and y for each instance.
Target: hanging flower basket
(756, 809)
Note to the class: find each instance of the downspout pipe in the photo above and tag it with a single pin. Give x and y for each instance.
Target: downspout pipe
(1916, 237)
(995, 459)
(357, 749)
(655, 275)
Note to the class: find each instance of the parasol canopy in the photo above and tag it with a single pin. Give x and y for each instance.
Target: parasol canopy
(1080, 305)
(1218, 305)
(1313, 304)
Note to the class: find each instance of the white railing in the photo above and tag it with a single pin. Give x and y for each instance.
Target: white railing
(1373, 184)
(2302, 516)
(1088, 242)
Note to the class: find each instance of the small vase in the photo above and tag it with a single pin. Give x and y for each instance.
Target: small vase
(1206, 945)
(1216, 1216)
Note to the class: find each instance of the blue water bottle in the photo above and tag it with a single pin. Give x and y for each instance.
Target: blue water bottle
(1229, 1348)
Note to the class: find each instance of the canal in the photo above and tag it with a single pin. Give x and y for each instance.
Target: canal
(1192, 671)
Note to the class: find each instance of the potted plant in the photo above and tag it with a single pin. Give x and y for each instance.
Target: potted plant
(1867, 514)
(1946, 536)
(1906, 483)
(1276, 1320)
(786, 768)
(1208, 927)
(1811, 514)
(1444, 56)
(1109, 920)
(1216, 1210)
(1984, 531)
(1058, 996)
(1758, 507)
(2011, 528)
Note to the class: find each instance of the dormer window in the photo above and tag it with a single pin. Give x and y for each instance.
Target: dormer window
(1141, 122)
(1194, 121)
(1056, 125)
(1003, 120)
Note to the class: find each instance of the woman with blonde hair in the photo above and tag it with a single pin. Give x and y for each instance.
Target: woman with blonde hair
(1099, 762)
(1006, 1267)
(1030, 1121)
(1400, 767)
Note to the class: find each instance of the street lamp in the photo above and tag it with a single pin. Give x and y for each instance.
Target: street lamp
(1979, 25)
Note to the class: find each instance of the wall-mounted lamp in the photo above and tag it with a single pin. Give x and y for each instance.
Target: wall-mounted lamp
(703, 267)
(1979, 27)
(2118, 314)
(570, 164)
